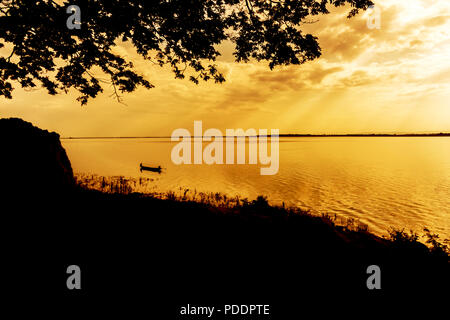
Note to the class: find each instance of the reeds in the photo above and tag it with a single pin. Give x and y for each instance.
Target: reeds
(114, 184)
(146, 188)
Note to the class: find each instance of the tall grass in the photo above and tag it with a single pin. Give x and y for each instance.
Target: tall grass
(146, 188)
(114, 184)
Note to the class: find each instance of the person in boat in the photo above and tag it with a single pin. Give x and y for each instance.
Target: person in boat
(158, 169)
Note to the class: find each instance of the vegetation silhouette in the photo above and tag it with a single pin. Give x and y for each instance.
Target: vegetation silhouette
(180, 34)
(32, 159)
(181, 249)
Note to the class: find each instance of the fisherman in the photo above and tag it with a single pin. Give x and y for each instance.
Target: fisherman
(157, 169)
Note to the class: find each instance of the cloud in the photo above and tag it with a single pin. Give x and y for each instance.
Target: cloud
(414, 43)
(436, 21)
(293, 77)
(359, 78)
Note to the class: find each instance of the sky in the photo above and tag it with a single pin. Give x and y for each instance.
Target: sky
(392, 79)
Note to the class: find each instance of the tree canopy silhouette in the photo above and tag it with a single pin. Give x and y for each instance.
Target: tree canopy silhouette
(183, 34)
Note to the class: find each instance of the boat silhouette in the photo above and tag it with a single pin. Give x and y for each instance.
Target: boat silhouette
(152, 169)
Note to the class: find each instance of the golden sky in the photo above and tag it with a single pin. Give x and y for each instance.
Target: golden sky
(392, 79)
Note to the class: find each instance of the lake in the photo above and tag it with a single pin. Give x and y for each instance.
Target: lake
(384, 182)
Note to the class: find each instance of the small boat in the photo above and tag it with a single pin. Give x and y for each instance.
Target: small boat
(152, 169)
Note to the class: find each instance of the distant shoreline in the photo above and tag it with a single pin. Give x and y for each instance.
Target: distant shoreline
(287, 136)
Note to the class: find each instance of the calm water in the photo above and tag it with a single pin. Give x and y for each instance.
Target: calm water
(384, 182)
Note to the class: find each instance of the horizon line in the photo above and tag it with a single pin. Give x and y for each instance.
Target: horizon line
(284, 135)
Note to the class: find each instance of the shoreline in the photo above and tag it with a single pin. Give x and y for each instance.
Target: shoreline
(143, 186)
(240, 248)
(218, 201)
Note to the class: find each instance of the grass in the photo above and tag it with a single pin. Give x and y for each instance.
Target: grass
(143, 187)
(411, 240)
(218, 243)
